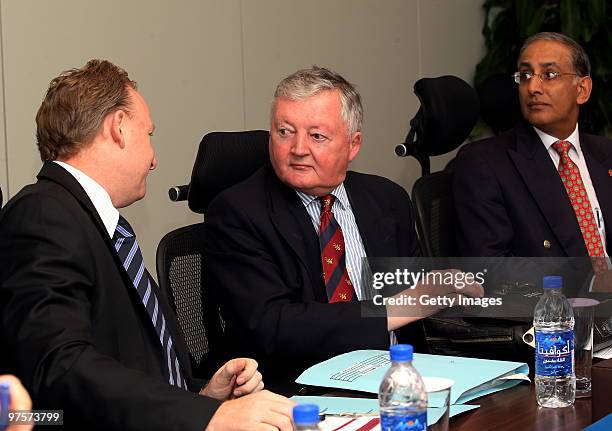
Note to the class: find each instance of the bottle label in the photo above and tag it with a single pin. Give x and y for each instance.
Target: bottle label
(554, 353)
(414, 422)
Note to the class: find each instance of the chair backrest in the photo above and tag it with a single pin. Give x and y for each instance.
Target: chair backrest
(449, 109)
(180, 271)
(0, 197)
(432, 197)
(225, 159)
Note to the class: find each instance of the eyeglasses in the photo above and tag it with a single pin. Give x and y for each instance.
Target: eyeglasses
(524, 77)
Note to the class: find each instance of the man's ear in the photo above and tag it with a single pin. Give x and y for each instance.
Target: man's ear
(585, 85)
(355, 145)
(116, 121)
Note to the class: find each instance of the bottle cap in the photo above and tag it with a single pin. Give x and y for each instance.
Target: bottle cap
(401, 352)
(306, 414)
(552, 282)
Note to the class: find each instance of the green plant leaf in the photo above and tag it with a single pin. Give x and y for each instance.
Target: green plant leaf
(524, 12)
(587, 33)
(597, 13)
(570, 18)
(536, 21)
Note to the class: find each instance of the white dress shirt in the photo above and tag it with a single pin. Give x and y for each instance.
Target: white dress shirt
(98, 196)
(575, 153)
(343, 213)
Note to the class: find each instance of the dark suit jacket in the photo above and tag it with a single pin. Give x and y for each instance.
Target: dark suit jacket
(509, 196)
(73, 327)
(263, 261)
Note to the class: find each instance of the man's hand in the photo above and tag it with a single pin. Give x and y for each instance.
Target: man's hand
(20, 400)
(602, 282)
(400, 315)
(260, 411)
(236, 378)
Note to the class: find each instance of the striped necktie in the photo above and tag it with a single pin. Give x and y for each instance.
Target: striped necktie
(131, 257)
(333, 255)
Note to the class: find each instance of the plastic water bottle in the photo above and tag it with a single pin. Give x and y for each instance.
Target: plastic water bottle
(553, 321)
(402, 396)
(306, 417)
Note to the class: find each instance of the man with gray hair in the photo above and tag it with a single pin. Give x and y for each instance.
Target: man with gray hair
(543, 188)
(285, 247)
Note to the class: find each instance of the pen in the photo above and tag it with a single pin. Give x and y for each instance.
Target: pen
(598, 217)
(5, 400)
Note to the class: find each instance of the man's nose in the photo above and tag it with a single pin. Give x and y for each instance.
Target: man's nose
(153, 164)
(534, 85)
(300, 144)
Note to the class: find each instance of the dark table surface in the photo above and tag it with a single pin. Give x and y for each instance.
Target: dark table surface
(516, 409)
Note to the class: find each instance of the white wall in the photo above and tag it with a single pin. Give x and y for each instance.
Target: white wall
(213, 65)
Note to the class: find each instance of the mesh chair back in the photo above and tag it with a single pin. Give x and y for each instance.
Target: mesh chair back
(180, 270)
(432, 197)
(223, 159)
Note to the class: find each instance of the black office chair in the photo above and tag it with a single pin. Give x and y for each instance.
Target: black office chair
(448, 112)
(0, 197)
(434, 207)
(223, 159)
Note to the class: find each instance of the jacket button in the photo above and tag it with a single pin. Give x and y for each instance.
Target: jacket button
(546, 243)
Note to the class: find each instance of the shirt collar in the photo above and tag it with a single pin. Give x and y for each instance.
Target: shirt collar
(98, 195)
(339, 192)
(549, 140)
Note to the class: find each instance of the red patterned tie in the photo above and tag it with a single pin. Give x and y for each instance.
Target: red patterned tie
(333, 257)
(570, 175)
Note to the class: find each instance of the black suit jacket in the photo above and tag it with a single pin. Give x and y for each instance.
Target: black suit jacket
(263, 261)
(509, 196)
(73, 327)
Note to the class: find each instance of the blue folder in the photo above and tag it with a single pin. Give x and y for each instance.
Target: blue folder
(363, 370)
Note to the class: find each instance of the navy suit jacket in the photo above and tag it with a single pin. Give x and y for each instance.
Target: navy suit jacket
(510, 199)
(264, 263)
(72, 325)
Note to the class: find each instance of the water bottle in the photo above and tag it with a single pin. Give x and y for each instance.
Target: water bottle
(306, 417)
(553, 321)
(402, 396)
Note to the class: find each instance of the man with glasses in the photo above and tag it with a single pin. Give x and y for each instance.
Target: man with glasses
(543, 188)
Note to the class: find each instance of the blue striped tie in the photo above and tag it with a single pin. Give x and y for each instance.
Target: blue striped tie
(131, 257)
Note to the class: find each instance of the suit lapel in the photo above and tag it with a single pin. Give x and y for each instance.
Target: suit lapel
(54, 172)
(377, 229)
(598, 157)
(293, 223)
(539, 174)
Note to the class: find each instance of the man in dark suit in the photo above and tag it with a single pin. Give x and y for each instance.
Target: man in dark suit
(286, 248)
(543, 188)
(82, 322)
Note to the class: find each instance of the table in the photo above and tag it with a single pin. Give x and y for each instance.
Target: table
(516, 409)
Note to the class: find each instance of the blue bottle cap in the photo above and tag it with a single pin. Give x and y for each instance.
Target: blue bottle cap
(306, 414)
(401, 352)
(552, 282)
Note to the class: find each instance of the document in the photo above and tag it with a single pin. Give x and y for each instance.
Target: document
(355, 407)
(363, 370)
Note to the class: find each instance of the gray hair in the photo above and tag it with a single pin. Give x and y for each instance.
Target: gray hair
(580, 59)
(306, 83)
